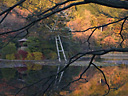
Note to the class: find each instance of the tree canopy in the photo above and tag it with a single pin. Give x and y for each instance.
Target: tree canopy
(107, 24)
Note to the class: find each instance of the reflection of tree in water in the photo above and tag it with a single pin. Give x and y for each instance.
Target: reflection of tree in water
(36, 81)
(117, 80)
(13, 82)
(46, 85)
(91, 82)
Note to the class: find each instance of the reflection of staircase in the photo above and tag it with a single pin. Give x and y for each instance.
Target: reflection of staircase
(60, 52)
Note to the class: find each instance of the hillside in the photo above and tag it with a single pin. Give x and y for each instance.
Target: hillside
(80, 18)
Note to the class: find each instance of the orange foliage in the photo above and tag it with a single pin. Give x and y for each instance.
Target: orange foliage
(108, 41)
(117, 79)
(115, 76)
(80, 23)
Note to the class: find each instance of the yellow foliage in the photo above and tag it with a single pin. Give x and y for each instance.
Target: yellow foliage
(29, 66)
(10, 56)
(34, 56)
(37, 55)
(29, 57)
(32, 66)
(37, 67)
(63, 93)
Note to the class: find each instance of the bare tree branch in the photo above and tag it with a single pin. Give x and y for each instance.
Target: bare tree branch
(61, 9)
(81, 73)
(121, 32)
(44, 16)
(102, 25)
(4, 17)
(90, 37)
(111, 3)
(53, 10)
(10, 8)
(16, 35)
(104, 78)
(7, 11)
(48, 79)
(75, 58)
(91, 63)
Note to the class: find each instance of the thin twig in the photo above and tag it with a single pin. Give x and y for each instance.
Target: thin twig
(90, 37)
(12, 7)
(101, 25)
(75, 58)
(80, 77)
(32, 84)
(104, 79)
(48, 87)
(121, 32)
(43, 17)
(44, 85)
(14, 38)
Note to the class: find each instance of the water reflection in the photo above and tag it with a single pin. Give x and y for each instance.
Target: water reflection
(117, 78)
(31, 78)
(12, 80)
(115, 58)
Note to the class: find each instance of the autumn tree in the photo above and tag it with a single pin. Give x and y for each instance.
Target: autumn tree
(56, 7)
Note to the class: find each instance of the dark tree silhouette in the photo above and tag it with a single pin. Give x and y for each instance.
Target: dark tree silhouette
(58, 7)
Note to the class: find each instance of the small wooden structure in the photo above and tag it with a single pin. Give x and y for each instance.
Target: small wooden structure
(21, 41)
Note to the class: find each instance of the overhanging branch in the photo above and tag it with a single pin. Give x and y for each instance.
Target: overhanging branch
(48, 12)
(111, 3)
(121, 32)
(12, 7)
(73, 59)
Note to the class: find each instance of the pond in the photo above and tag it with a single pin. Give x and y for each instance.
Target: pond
(40, 80)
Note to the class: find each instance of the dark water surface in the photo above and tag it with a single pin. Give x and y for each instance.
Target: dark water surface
(34, 82)
(39, 80)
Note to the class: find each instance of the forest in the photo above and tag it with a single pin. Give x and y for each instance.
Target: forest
(93, 34)
(41, 38)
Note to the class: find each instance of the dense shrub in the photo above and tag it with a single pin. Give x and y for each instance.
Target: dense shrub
(8, 73)
(29, 56)
(34, 44)
(34, 56)
(9, 49)
(38, 55)
(10, 56)
(52, 55)
(21, 54)
(49, 54)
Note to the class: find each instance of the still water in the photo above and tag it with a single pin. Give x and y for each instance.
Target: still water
(40, 80)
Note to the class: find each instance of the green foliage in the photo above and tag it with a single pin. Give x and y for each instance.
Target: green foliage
(9, 49)
(8, 73)
(37, 47)
(34, 44)
(50, 54)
